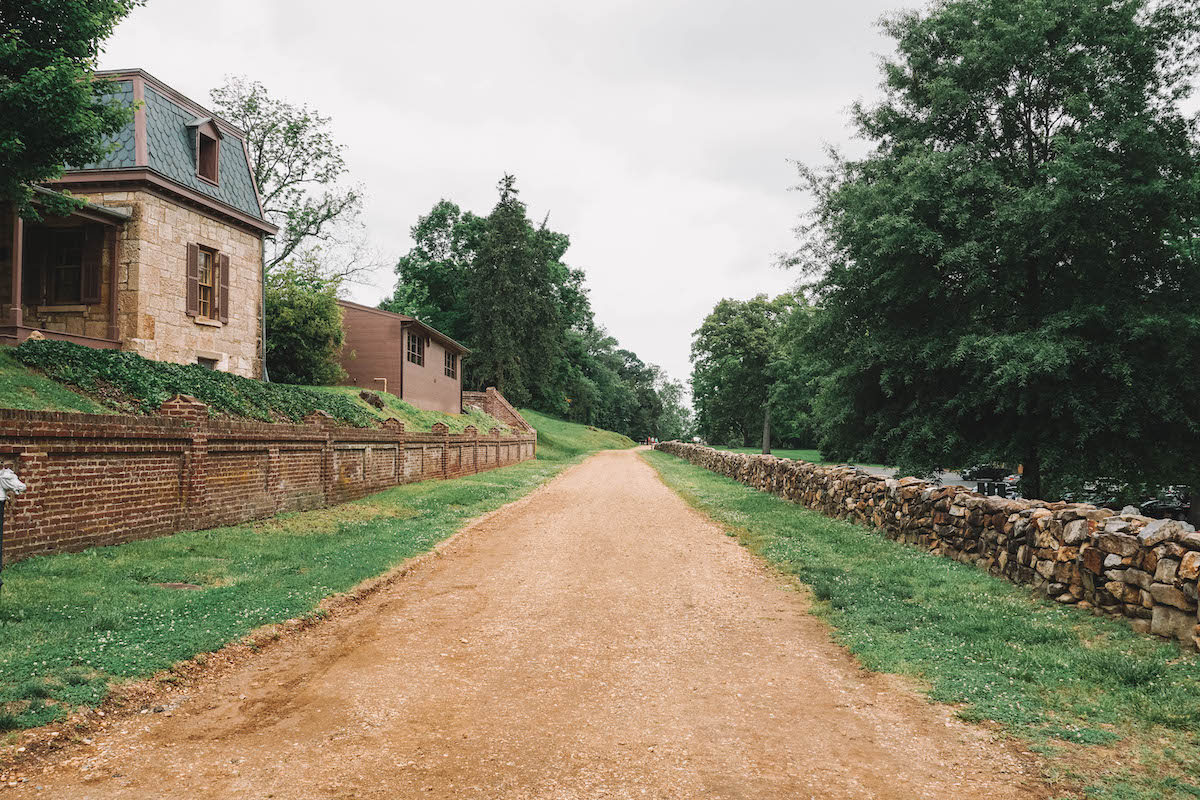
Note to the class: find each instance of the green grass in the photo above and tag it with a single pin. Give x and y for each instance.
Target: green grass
(21, 387)
(813, 456)
(1114, 712)
(559, 440)
(72, 625)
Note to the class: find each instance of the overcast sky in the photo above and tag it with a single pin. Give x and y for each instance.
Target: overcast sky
(656, 133)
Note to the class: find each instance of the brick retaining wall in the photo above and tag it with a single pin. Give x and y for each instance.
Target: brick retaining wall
(100, 480)
(496, 405)
(1122, 565)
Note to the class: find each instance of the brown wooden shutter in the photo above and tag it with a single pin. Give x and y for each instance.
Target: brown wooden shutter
(223, 276)
(193, 280)
(93, 256)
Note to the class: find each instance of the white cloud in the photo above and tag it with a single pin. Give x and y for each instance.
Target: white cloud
(655, 133)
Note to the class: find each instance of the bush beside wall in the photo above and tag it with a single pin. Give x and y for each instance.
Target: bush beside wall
(1118, 564)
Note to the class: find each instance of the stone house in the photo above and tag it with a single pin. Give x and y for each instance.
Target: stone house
(402, 355)
(166, 257)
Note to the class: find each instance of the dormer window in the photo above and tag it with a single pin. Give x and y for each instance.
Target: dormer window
(207, 148)
(206, 166)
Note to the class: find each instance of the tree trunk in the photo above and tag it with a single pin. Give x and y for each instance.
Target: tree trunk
(766, 440)
(1031, 478)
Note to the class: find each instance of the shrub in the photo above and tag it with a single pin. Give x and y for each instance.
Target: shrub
(304, 326)
(130, 383)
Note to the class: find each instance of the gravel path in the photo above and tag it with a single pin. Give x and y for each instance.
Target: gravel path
(598, 639)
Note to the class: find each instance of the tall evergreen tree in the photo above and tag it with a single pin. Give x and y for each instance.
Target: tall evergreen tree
(514, 323)
(502, 286)
(1008, 273)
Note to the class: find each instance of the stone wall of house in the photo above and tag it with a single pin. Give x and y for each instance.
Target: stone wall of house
(101, 480)
(152, 300)
(1117, 564)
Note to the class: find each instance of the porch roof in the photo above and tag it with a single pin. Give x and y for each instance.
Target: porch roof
(111, 214)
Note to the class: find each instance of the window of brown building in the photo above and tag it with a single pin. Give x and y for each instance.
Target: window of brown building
(451, 365)
(207, 157)
(207, 363)
(416, 349)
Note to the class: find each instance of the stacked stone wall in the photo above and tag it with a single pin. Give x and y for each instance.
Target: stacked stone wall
(1117, 564)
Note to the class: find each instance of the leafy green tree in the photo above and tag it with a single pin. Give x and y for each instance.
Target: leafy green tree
(1004, 274)
(794, 376)
(55, 112)
(298, 167)
(675, 423)
(733, 351)
(304, 325)
(434, 276)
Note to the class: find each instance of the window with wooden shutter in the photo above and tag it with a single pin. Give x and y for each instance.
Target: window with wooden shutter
(93, 256)
(206, 284)
(193, 280)
(223, 277)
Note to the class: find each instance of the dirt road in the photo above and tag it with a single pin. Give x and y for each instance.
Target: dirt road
(598, 640)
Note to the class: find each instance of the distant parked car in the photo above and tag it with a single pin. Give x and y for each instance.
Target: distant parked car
(985, 472)
(1165, 502)
(1170, 502)
(1101, 492)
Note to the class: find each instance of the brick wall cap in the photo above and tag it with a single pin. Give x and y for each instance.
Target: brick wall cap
(319, 417)
(184, 406)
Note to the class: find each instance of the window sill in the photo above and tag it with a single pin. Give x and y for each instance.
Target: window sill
(209, 181)
(211, 323)
(61, 309)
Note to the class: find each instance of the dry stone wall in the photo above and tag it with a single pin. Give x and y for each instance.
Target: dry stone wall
(1116, 564)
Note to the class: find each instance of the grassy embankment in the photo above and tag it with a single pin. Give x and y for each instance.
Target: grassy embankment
(560, 441)
(72, 625)
(60, 376)
(1115, 714)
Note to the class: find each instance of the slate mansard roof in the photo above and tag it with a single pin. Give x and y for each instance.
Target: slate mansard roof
(159, 144)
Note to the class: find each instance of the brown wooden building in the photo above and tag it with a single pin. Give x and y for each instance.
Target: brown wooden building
(402, 355)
